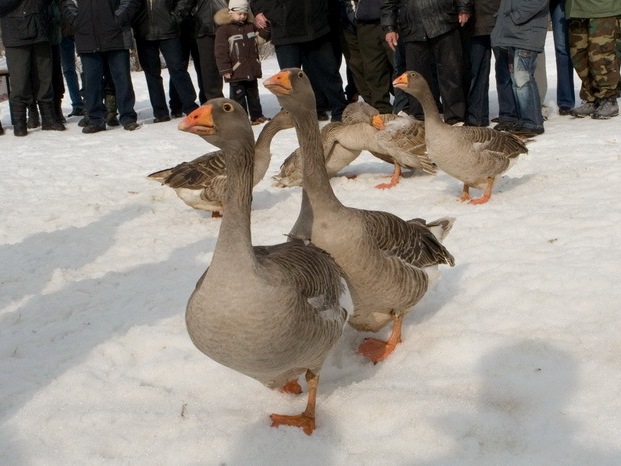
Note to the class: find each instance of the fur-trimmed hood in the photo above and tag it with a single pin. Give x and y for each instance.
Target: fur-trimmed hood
(222, 17)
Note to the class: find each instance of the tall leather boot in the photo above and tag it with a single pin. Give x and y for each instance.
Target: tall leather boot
(59, 111)
(48, 117)
(33, 116)
(111, 119)
(18, 118)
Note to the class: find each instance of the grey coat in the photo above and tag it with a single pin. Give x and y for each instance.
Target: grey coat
(521, 24)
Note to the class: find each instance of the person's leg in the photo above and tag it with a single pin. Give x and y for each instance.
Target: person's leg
(355, 66)
(479, 55)
(507, 107)
(212, 81)
(92, 69)
(418, 58)
(149, 57)
(254, 102)
(402, 99)
(237, 92)
(525, 89)
(448, 53)
(377, 66)
(177, 68)
(118, 60)
(18, 63)
(67, 60)
(565, 94)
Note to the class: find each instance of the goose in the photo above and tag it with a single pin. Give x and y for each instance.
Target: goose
(396, 139)
(201, 183)
(389, 262)
(476, 156)
(269, 312)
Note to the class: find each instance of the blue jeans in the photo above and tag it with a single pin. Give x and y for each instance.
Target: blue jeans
(507, 108)
(93, 68)
(149, 56)
(522, 65)
(479, 51)
(67, 60)
(565, 94)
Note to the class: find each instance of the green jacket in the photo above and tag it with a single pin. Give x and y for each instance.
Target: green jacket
(592, 8)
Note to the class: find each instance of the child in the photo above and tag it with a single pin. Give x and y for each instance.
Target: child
(237, 56)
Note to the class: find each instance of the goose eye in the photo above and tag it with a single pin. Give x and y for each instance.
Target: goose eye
(300, 74)
(227, 107)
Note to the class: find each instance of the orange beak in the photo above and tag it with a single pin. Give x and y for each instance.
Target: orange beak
(401, 81)
(279, 84)
(200, 121)
(377, 122)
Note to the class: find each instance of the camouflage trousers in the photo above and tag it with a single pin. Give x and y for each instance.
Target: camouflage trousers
(593, 49)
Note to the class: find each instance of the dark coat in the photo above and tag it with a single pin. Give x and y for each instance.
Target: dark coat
(25, 22)
(101, 25)
(203, 16)
(160, 19)
(521, 24)
(483, 18)
(236, 48)
(294, 21)
(418, 20)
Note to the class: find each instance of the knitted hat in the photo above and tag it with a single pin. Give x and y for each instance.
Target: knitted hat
(239, 6)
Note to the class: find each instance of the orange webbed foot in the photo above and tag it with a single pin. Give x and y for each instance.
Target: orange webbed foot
(292, 387)
(303, 421)
(480, 200)
(376, 350)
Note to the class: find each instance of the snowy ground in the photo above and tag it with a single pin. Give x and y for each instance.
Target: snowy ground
(513, 358)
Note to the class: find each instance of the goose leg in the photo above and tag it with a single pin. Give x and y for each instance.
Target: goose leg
(486, 195)
(378, 350)
(292, 387)
(306, 420)
(465, 194)
(394, 179)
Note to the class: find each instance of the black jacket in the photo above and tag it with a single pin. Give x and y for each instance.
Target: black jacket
(203, 16)
(25, 22)
(160, 19)
(418, 20)
(294, 21)
(101, 25)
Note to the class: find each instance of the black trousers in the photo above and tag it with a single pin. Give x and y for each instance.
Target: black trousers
(246, 94)
(212, 81)
(28, 63)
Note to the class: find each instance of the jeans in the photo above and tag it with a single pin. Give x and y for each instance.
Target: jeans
(93, 68)
(318, 60)
(522, 67)
(565, 94)
(67, 59)
(507, 108)
(149, 56)
(479, 51)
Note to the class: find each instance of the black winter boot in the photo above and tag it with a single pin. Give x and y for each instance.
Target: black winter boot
(111, 119)
(33, 116)
(18, 118)
(58, 110)
(48, 117)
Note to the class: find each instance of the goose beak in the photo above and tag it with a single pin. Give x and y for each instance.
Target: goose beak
(200, 121)
(401, 81)
(279, 84)
(377, 122)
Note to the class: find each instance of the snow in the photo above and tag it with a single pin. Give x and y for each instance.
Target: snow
(513, 358)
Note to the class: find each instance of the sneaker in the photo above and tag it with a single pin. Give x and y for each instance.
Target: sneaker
(260, 120)
(161, 119)
(506, 126)
(131, 126)
(606, 108)
(92, 128)
(77, 112)
(564, 111)
(587, 108)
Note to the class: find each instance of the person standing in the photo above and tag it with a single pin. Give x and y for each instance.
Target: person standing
(67, 60)
(431, 32)
(302, 38)
(156, 30)
(593, 34)
(237, 56)
(26, 28)
(103, 35)
(519, 35)
(565, 94)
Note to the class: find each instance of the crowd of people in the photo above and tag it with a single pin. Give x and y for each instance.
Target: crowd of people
(449, 42)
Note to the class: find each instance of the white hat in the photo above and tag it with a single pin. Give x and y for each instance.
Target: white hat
(239, 6)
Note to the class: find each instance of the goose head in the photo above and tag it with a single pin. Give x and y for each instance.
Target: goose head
(292, 84)
(216, 121)
(412, 83)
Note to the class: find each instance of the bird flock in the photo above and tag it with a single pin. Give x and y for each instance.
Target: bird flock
(275, 312)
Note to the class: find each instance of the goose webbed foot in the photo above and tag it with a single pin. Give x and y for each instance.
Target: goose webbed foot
(486, 195)
(306, 420)
(292, 387)
(394, 179)
(377, 350)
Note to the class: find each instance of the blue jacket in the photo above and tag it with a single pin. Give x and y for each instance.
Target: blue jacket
(521, 24)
